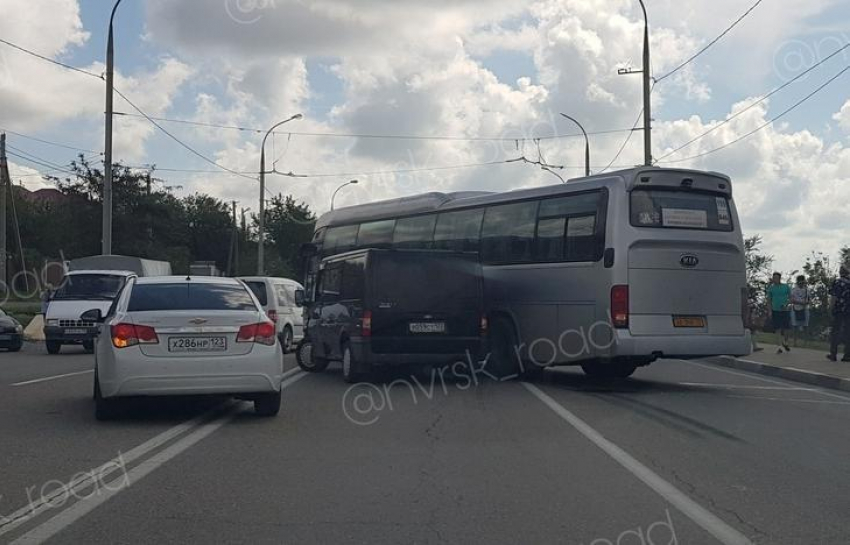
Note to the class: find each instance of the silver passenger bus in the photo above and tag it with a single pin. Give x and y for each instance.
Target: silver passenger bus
(609, 272)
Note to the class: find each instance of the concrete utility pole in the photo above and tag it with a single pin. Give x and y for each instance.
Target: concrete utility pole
(3, 192)
(647, 90)
(261, 227)
(106, 236)
(231, 255)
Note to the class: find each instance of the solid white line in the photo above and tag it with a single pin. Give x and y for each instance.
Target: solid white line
(54, 377)
(68, 516)
(756, 376)
(694, 511)
(744, 387)
(789, 400)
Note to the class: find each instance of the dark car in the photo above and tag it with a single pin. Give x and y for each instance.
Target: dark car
(11, 333)
(377, 308)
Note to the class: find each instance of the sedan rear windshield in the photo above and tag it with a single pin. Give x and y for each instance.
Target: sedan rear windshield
(680, 210)
(187, 296)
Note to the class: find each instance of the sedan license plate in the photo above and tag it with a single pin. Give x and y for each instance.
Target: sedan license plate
(197, 344)
(427, 327)
(76, 331)
(688, 321)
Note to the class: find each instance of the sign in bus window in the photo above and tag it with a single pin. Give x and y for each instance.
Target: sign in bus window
(680, 217)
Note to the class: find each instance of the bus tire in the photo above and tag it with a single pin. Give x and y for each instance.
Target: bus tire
(307, 361)
(503, 361)
(610, 370)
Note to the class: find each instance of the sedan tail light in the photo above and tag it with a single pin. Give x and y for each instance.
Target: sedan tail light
(262, 333)
(124, 335)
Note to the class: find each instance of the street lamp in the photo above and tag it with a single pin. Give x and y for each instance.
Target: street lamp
(352, 182)
(647, 106)
(262, 224)
(586, 145)
(106, 235)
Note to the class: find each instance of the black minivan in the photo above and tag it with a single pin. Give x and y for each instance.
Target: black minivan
(381, 307)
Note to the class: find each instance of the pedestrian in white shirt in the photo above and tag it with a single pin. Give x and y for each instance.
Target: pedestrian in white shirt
(800, 302)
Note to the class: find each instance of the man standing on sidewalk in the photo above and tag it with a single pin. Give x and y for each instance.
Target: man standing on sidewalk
(840, 304)
(778, 299)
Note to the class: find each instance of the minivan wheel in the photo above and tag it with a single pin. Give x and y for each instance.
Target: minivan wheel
(503, 361)
(350, 372)
(267, 404)
(53, 347)
(286, 340)
(306, 360)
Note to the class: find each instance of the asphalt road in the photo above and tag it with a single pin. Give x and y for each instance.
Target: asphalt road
(684, 452)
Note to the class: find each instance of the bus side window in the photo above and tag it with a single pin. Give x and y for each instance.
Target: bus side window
(415, 233)
(375, 234)
(459, 231)
(507, 235)
(568, 228)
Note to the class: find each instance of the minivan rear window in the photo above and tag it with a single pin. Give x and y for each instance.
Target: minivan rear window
(676, 209)
(186, 296)
(259, 289)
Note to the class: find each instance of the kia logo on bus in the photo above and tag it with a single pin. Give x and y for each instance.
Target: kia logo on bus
(689, 261)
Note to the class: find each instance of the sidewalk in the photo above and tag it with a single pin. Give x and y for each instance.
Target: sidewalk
(800, 365)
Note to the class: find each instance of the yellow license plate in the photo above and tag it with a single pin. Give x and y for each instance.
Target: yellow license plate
(688, 321)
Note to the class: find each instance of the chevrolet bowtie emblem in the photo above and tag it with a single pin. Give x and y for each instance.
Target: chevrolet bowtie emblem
(198, 321)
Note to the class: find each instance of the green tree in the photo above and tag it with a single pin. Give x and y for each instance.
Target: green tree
(819, 276)
(758, 273)
(288, 225)
(210, 226)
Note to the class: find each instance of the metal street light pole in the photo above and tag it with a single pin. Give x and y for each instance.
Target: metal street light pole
(106, 235)
(647, 90)
(586, 145)
(262, 223)
(352, 182)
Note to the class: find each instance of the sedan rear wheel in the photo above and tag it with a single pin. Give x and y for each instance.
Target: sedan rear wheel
(267, 404)
(104, 408)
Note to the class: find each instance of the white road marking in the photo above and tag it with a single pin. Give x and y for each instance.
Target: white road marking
(54, 377)
(756, 376)
(62, 520)
(701, 516)
(745, 387)
(790, 400)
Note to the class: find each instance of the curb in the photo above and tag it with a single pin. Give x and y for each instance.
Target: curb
(788, 373)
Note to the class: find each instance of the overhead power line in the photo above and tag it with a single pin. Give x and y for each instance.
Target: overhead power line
(40, 163)
(52, 61)
(180, 142)
(768, 122)
(754, 103)
(51, 143)
(709, 44)
(380, 136)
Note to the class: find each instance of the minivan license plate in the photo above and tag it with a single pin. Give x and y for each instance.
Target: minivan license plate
(428, 327)
(197, 344)
(688, 321)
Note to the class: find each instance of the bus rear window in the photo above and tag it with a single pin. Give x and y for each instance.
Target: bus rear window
(680, 210)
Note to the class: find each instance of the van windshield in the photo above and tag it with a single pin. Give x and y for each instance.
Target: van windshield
(678, 209)
(90, 286)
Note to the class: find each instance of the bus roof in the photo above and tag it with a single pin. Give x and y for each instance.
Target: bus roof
(429, 202)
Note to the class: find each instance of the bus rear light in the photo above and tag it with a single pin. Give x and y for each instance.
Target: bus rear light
(620, 306)
(126, 335)
(366, 326)
(262, 333)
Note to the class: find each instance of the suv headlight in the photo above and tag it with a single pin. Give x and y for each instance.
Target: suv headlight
(19, 328)
(52, 321)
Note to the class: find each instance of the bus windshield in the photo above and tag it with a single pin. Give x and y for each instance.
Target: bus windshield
(680, 210)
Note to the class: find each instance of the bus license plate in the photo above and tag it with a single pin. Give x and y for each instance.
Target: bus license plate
(688, 321)
(197, 344)
(428, 327)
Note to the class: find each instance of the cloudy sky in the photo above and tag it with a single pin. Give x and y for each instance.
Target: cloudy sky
(486, 76)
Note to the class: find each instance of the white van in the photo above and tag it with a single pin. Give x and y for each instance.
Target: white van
(277, 295)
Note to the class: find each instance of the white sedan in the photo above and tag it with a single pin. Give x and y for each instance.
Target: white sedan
(172, 335)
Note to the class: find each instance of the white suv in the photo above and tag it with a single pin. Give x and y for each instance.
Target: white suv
(277, 295)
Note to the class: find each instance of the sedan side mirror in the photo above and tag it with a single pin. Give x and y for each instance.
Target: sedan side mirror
(93, 315)
(300, 298)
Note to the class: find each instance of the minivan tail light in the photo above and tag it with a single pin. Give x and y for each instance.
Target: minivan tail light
(620, 306)
(262, 333)
(366, 327)
(125, 335)
(272, 314)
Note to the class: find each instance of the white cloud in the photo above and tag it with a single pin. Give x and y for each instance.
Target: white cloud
(843, 117)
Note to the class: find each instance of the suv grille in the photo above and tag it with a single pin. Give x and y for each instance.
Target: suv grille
(75, 323)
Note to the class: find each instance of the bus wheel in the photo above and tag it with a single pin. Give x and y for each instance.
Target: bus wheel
(503, 361)
(611, 370)
(306, 360)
